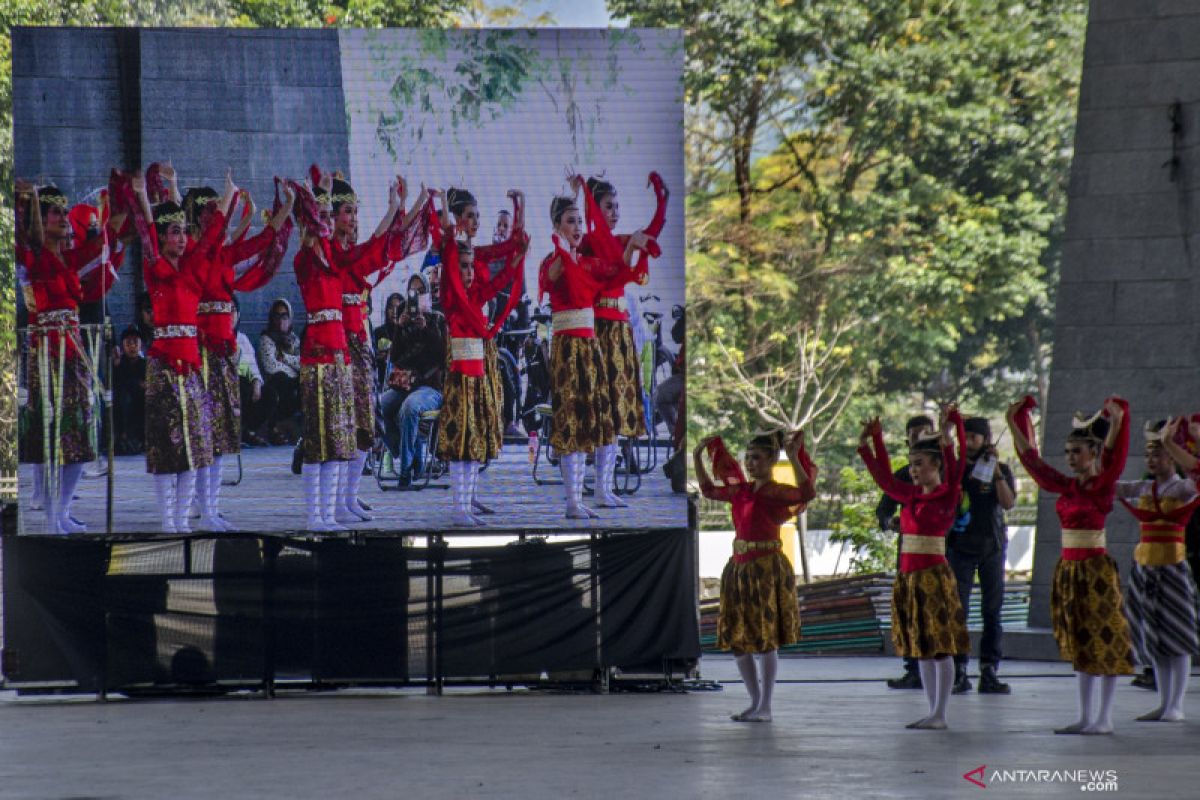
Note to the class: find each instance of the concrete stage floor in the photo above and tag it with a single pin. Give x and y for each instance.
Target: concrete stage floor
(838, 732)
(270, 498)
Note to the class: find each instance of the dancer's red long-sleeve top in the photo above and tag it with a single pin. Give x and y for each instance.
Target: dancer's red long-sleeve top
(1080, 506)
(175, 293)
(321, 287)
(463, 305)
(921, 513)
(609, 305)
(758, 513)
(356, 263)
(216, 301)
(57, 288)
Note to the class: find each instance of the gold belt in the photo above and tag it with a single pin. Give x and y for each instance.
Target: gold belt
(1083, 540)
(466, 349)
(743, 546)
(916, 544)
(325, 315)
(216, 307)
(352, 300)
(174, 331)
(618, 303)
(63, 316)
(575, 319)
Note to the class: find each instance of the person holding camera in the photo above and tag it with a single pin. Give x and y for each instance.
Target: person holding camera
(417, 358)
(978, 544)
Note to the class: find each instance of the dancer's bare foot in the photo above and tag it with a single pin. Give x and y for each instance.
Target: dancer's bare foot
(916, 725)
(742, 716)
(1172, 715)
(1097, 729)
(758, 716)
(1151, 716)
(1074, 727)
(931, 724)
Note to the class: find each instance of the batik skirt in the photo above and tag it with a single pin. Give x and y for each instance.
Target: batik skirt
(495, 386)
(1163, 611)
(224, 401)
(179, 433)
(1087, 617)
(927, 616)
(362, 368)
(327, 403)
(623, 375)
(581, 421)
(467, 422)
(74, 421)
(759, 609)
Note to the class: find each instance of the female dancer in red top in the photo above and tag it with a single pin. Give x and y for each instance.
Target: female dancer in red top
(395, 238)
(928, 621)
(326, 388)
(60, 376)
(759, 610)
(613, 332)
(1085, 597)
(581, 420)
(178, 424)
(465, 211)
(469, 423)
(245, 264)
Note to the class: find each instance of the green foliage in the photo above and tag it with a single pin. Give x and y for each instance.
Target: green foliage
(854, 523)
(491, 70)
(876, 189)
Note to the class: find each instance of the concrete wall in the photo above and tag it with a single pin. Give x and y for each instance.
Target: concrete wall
(261, 102)
(1127, 320)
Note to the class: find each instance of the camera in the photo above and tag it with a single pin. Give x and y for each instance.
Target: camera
(413, 304)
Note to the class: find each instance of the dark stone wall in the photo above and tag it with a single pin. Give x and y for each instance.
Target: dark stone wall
(263, 103)
(1127, 320)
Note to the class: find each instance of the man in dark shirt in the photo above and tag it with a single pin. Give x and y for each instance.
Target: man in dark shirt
(415, 376)
(978, 543)
(886, 514)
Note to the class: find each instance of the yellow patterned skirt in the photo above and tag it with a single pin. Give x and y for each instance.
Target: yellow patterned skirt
(927, 616)
(1087, 616)
(495, 386)
(327, 402)
(362, 371)
(624, 378)
(224, 397)
(178, 428)
(581, 421)
(759, 609)
(466, 424)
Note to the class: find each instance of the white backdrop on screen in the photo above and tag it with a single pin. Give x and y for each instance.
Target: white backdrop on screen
(493, 110)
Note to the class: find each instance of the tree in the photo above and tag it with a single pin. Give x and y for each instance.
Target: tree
(894, 228)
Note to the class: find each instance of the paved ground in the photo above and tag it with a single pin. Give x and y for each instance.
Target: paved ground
(838, 733)
(269, 498)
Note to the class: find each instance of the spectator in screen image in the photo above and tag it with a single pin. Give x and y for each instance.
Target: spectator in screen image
(279, 362)
(144, 321)
(250, 383)
(129, 393)
(417, 371)
(385, 334)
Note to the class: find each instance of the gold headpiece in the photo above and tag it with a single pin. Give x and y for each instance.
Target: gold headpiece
(332, 199)
(168, 219)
